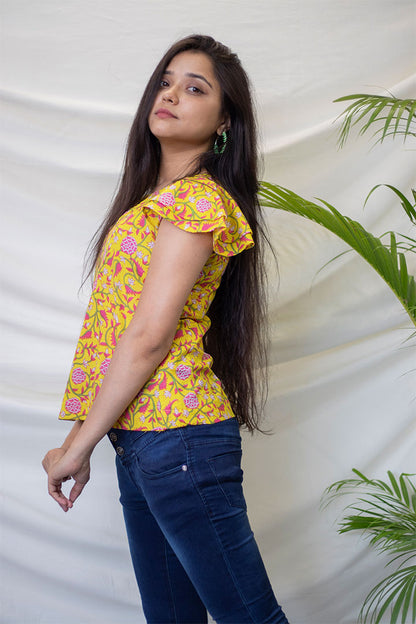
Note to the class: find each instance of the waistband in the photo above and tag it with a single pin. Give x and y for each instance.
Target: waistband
(123, 440)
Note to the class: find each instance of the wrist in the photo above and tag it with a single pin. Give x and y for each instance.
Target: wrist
(72, 435)
(78, 453)
(83, 444)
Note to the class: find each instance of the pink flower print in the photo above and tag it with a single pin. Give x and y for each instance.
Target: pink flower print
(128, 245)
(202, 205)
(168, 408)
(104, 365)
(183, 371)
(78, 376)
(191, 400)
(130, 291)
(167, 199)
(139, 270)
(162, 383)
(73, 406)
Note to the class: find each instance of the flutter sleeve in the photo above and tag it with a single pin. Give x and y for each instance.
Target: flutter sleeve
(195, 206)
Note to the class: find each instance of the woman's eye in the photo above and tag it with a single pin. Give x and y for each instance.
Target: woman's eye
(164, 83)
(194, 89)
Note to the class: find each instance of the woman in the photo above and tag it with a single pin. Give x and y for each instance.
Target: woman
(185, 219)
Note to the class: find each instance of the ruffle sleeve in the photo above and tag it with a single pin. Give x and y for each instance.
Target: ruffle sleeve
(204, 206)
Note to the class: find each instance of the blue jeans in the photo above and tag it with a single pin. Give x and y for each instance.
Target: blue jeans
(189, 536)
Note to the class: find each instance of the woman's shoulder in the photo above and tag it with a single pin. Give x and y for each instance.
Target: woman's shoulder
(199, 189)
(190, 184)
(205, 181)
(200, 204)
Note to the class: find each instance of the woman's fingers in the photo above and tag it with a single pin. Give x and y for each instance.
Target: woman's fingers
(81, 477)
(63, 470)
(55, 490)
(76, 491)
(51, 458)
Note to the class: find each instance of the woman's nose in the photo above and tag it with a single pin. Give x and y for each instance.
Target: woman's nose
(170, 96)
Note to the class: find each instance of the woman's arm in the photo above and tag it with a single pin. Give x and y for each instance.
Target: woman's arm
(55, 454)
(176, 261)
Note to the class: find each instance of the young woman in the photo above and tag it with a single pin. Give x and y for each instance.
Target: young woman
(172, 334)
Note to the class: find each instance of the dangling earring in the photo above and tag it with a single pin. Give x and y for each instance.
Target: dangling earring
(220, 149)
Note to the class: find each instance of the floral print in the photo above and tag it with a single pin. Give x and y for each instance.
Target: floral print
(183, 389)
(128, 245)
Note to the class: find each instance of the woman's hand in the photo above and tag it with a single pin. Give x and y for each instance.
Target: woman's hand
(52, 457)
(61, 466)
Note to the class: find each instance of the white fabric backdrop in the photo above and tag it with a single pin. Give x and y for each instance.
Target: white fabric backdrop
(341, 392)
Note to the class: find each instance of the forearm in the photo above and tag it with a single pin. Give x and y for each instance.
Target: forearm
(131, 366)
(71, 435)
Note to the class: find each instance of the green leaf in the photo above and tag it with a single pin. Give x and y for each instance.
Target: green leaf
(386, 261)
(395, 485)
(408, 207)
(400, 110)
(362, 476)
(397, 116)
(384, 512)
(411, 586)
(400, 599)
(412, 114)
(386, 593)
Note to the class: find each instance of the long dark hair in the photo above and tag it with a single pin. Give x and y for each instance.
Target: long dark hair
(236, 338)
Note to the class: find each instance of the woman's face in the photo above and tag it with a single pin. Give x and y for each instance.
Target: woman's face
(187, 109)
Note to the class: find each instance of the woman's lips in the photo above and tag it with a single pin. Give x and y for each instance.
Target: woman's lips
(163, 113)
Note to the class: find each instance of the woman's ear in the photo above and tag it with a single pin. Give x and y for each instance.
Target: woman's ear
(225, 126)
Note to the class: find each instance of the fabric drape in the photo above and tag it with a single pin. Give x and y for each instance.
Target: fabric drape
(341, 381)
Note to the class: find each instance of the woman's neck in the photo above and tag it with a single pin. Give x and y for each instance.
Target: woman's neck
(175, 165)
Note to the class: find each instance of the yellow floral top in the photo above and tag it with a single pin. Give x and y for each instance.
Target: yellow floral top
(183, 390)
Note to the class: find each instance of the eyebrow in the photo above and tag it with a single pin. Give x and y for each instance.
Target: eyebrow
(191, 75)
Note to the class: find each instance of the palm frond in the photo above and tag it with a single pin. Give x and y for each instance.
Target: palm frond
(405, 243)
(385, 512)
(397, 116)
(407, 205)
(388, 261)
(397, 591)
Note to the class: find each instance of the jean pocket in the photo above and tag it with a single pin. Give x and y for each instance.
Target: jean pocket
(229, 475)
(165, 455)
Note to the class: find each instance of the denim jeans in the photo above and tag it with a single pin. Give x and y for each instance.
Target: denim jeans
(189, 536)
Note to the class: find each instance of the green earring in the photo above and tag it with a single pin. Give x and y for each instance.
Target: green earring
(220, 149)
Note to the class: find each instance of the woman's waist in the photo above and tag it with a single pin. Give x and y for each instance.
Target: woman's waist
(181, 372)
(109, 306)
(181, 361)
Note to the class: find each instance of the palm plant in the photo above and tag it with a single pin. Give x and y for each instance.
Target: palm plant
(398, 117)
(386, 514)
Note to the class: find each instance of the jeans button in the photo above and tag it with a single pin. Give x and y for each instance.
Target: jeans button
(113, 437)
(120, 451)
